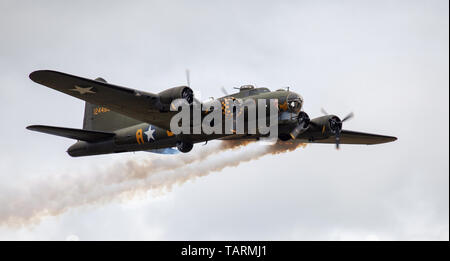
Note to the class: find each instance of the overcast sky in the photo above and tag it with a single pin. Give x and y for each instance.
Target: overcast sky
(388, 61)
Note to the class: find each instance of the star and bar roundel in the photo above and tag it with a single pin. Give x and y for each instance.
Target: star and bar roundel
(148, 135)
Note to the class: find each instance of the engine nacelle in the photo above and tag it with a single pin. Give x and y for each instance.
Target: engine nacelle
(182, 92)
(184, 146)
(303, 118)
(293, 129)
(327, 124)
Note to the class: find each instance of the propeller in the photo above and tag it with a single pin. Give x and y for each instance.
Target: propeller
(188, 95)
(188, 82)
(336, 126)
(224, 91)
(348, 117)
(303, 123)
(188, 78)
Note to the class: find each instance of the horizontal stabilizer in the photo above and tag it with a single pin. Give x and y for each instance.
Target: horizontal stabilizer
(77, 134)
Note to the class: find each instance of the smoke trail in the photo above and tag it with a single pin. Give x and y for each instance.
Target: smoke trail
(157, 164)
(52, 196)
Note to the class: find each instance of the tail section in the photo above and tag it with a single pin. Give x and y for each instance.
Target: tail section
(99, 118)
(96, 137)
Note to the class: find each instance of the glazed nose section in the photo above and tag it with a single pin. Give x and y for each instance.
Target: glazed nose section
(294, 102)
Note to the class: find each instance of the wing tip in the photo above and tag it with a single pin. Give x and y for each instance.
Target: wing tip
(391, 138)
(36, 76)
(39, 128)
(33, 75)
(33, 127)
(386, 139)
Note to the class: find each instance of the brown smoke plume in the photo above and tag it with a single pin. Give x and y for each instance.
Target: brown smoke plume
(54, 195)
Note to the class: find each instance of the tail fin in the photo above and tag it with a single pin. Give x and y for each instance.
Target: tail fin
(99, 118)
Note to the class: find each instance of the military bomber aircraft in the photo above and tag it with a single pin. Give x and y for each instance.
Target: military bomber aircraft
(119, 119)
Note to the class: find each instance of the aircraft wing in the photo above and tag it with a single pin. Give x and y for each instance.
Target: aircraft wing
(136, 104)
(354, 137)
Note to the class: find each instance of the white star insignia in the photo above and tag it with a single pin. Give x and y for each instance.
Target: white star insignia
(149, 133)
(82, 90)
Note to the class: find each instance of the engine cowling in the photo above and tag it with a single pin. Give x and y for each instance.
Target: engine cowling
(303, 118)
(184, 146)
(330, 123)
(303, 122)
(183, 92)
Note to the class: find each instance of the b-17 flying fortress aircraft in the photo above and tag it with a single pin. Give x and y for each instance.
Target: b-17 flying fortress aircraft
(119, 119)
